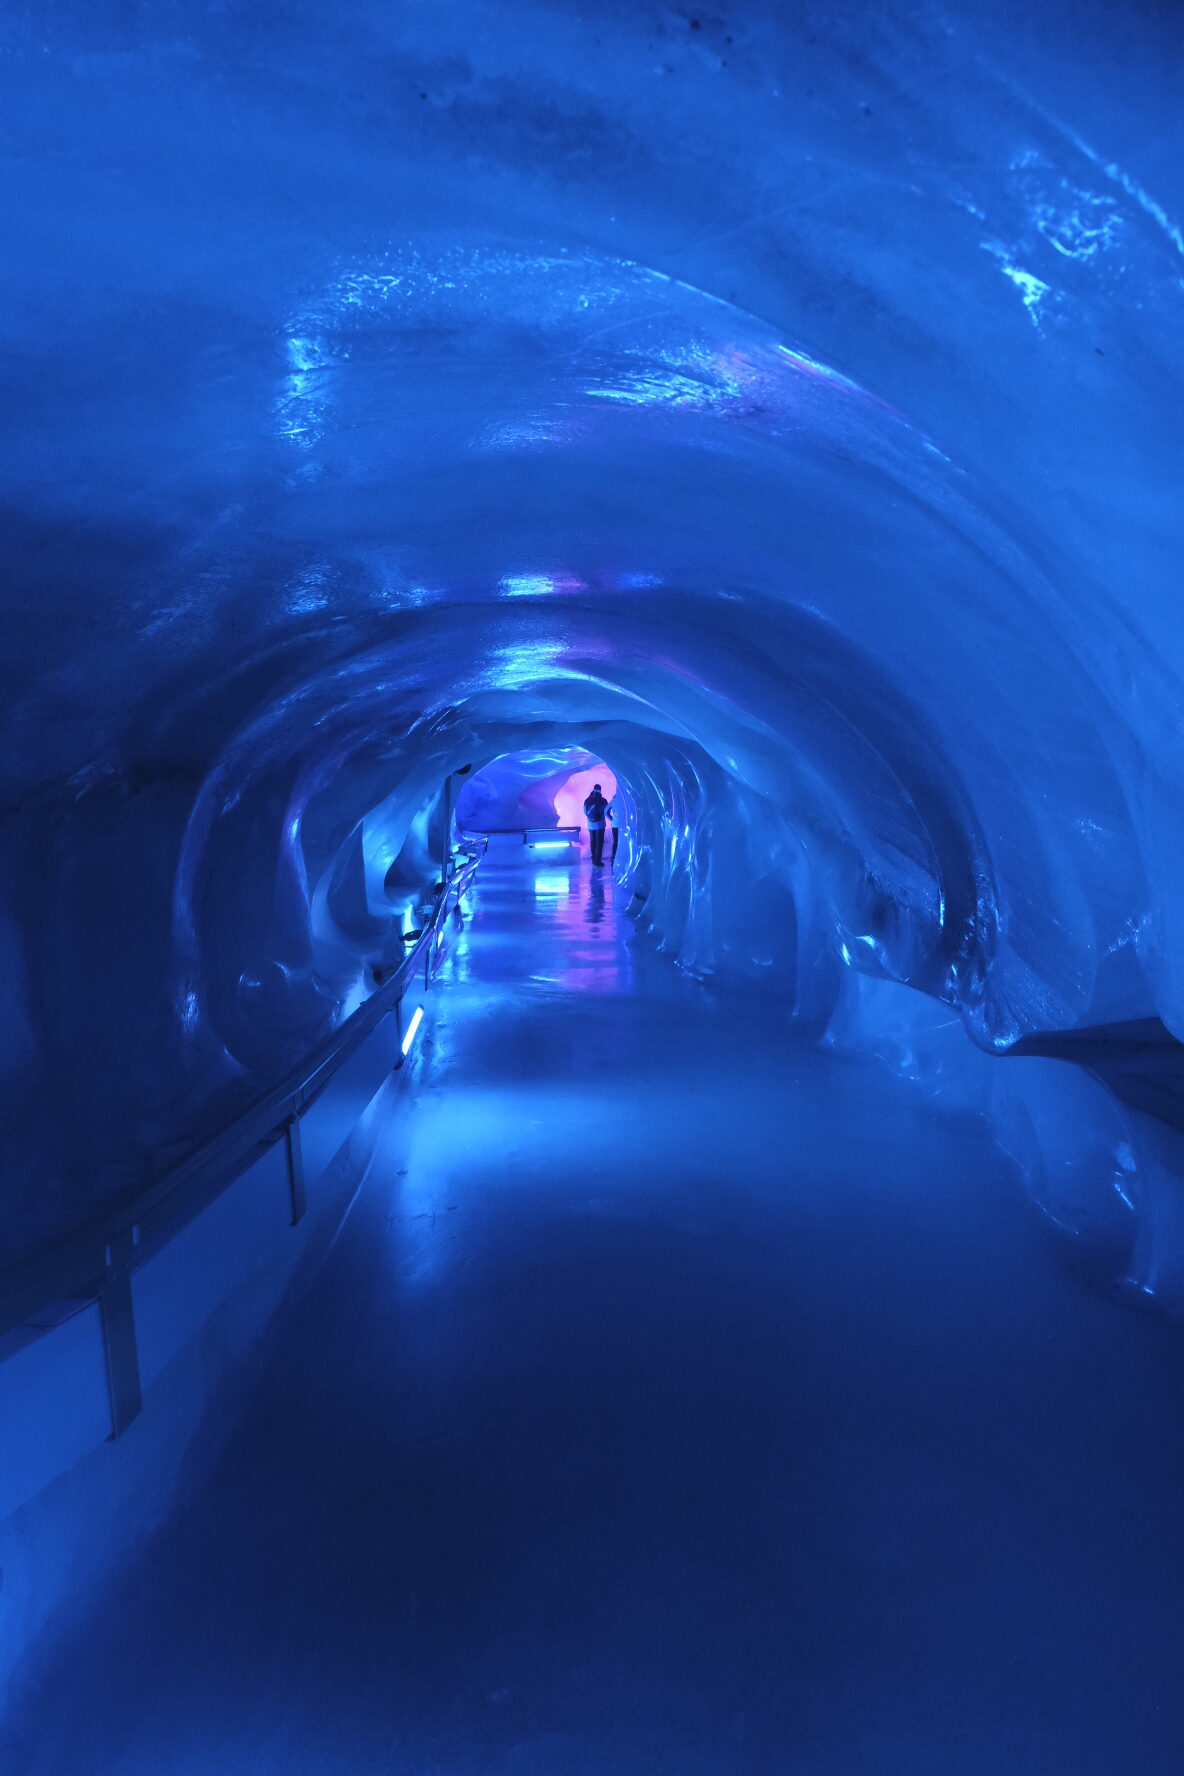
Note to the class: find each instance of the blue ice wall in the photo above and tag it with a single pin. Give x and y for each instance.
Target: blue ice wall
(786, 405)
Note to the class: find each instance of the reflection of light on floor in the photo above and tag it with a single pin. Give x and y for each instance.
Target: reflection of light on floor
(608, 979)
(551, 883)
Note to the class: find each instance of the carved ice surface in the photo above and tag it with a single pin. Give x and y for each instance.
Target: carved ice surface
(393, 389)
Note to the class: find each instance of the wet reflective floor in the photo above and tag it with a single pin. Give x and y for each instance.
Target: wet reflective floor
(676, 1402)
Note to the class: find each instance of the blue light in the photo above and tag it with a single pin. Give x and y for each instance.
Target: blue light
(534, 585)
(526, 585)
(552, 883)
(549, 844)
(413, 1026)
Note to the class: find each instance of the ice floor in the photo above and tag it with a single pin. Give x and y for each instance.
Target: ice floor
(674, 1403)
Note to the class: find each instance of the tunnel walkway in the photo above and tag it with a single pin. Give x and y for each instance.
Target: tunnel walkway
(675, 1402)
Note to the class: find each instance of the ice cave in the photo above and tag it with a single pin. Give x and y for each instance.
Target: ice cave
(471, 1306)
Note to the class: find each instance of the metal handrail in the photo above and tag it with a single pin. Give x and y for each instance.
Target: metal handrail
(542, 835)
(529, 834)
(95, 1263)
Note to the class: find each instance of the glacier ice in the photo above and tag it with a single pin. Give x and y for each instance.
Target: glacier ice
(785, 411)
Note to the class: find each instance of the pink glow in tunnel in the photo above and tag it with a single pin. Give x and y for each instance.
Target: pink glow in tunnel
(569, 800)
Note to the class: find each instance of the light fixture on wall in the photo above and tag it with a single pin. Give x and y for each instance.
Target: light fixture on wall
(410, 1032)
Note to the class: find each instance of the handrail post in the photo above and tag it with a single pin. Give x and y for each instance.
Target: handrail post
(118, 1317)
(297, 1200)
(446, 860)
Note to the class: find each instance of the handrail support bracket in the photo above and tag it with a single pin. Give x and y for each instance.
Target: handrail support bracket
(297, 1199)
(118, 1317)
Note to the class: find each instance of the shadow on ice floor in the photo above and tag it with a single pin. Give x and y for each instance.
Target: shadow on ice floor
(675, 1403)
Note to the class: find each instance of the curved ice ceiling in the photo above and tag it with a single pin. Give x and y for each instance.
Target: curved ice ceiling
(784, 408)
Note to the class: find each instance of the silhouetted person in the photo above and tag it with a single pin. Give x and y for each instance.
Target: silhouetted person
(612, 814)
(595, 809)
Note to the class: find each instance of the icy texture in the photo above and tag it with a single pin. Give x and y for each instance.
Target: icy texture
(782, 406)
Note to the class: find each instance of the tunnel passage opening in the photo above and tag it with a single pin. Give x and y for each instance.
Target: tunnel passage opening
(538, 797)
(833, 790)
(761, 617)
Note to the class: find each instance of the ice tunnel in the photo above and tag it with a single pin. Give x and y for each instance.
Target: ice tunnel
(466, 1308)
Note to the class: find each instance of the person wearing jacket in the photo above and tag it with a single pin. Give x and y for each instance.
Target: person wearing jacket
(595, 810)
